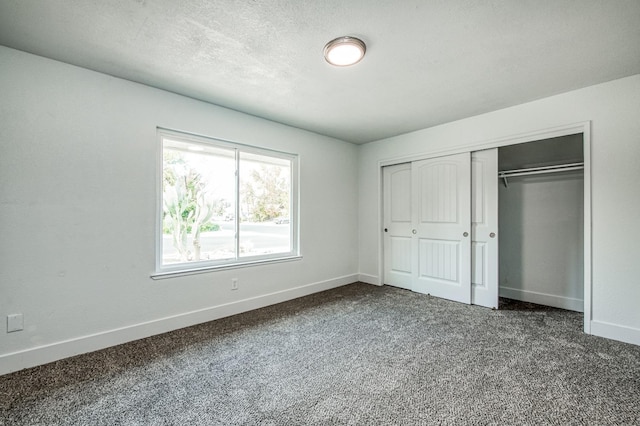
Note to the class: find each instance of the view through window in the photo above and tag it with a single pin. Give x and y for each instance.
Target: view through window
(224, 203)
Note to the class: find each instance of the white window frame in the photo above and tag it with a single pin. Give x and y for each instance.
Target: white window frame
(179, 269)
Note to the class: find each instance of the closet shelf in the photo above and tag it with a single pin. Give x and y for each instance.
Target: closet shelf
(504, 174)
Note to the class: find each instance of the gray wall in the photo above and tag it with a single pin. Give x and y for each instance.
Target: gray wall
(541, 225)
(541, 240)
(79, 173)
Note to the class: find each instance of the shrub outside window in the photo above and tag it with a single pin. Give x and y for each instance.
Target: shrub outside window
(224, 204)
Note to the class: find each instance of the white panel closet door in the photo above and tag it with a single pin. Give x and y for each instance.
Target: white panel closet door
(397, 224)
(484, 228)
(441, 213)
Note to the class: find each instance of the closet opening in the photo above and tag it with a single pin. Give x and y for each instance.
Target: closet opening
(541, 222)
(527, 230)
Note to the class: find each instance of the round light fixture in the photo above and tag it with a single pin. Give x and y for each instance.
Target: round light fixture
(344, 51)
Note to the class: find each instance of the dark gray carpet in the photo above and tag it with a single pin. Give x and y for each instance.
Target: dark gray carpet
(355, 355)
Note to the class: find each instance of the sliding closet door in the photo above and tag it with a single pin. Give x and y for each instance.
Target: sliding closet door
(484, 228)
(441, 213)
(397, 225)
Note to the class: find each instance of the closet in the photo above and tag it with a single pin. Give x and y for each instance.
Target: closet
(445, 217)
(541, 222)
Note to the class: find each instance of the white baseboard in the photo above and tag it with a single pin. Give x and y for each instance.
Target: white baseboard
(369, 279)
(55, 351)
(543, 299)
(616, 332)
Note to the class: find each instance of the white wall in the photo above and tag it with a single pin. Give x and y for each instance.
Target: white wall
(614, 110)
(78, 207)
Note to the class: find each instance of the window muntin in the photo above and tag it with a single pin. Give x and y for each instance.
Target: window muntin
(223, 204)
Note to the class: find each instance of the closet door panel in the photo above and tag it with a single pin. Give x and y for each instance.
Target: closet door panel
(441, 190)
(478, 266)
(439, 259)
(438, 195)
(397, 239)
(484, 228)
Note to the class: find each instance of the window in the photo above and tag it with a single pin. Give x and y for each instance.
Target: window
(224, 204)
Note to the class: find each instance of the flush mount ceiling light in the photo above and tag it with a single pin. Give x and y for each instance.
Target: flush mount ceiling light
(344, 51)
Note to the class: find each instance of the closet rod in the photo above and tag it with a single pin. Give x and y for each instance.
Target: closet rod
(539, 170)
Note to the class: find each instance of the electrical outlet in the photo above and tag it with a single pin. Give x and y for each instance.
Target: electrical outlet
(15, 322)
(234, 283)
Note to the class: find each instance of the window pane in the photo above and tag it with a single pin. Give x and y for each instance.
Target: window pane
(223, 204)
(198, 195)
(265, 198)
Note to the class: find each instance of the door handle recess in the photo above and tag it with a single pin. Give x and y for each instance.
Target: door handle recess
(413, 231)
(465, 234)
(492, 235)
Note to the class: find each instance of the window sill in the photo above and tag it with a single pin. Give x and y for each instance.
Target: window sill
(206, 269)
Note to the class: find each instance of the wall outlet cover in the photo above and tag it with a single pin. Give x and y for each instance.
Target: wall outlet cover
(15, 322)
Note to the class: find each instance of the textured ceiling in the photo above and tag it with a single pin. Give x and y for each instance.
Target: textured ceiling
(428, 62)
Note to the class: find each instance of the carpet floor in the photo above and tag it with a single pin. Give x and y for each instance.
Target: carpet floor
(354, 355)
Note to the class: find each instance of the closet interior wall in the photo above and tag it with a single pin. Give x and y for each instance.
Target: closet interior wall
(541, 224)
